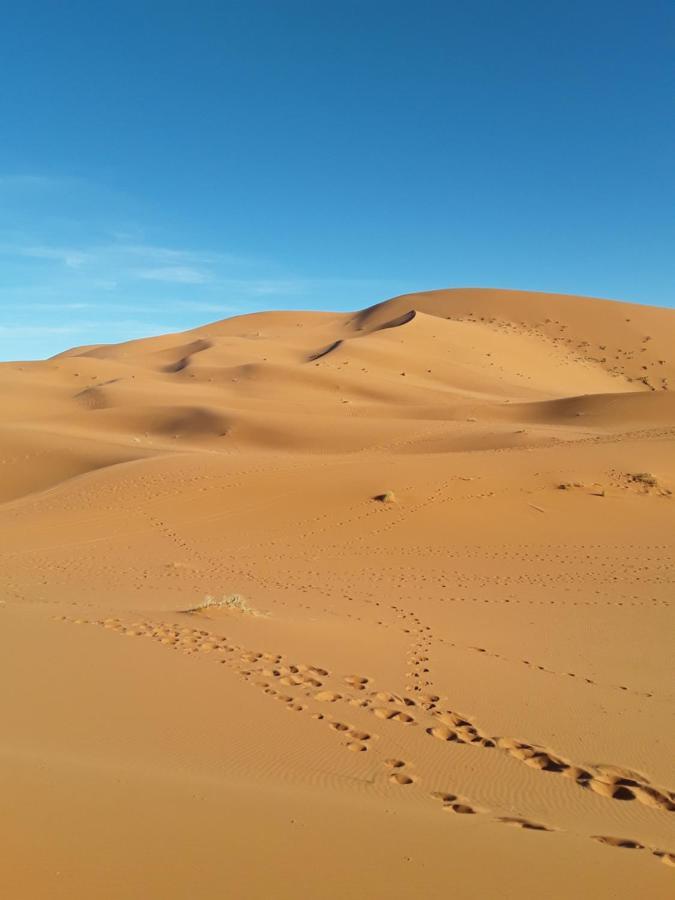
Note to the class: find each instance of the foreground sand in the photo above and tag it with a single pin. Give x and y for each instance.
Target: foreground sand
(466, 691)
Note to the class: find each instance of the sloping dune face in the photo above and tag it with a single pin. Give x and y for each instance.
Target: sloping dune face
(344, 605)
(320, 382)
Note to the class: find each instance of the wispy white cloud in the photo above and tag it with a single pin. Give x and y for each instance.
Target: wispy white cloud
(32, 181)
(77, 280)
(198, 306)
(111, 329)
(169, 255)
(58, 307)
(90, 273)
(175, 275)
(121, 264)
(127, 258)
(298, 287)
(167, 307)
(69, 256)
(38, 330)
(263, 287)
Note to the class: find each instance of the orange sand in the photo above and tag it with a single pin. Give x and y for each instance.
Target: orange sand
(461, 689)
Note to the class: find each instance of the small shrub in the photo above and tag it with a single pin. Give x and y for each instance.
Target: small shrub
(644, 478)
(231, 601)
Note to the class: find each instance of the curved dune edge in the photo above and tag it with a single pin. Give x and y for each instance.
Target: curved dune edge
(559, 367)
(367, 604)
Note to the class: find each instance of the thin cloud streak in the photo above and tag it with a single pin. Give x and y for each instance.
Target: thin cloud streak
(112, 266)
(116, 327)
(175, 275)
(62, 291)
(127, 256)
(32, 182)
(90, 273)
(164, 306)
(70, 257)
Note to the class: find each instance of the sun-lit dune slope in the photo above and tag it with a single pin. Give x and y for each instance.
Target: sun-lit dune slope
(325, 382)
(623, 338)
(386, 594)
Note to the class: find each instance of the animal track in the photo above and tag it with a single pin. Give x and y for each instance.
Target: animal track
(327, 697)
(523, 823)
(263, 669)
(402, 778)
(618, 842)
(611, 782)
(462, 808)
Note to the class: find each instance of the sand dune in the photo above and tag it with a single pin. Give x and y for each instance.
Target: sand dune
(464, 688)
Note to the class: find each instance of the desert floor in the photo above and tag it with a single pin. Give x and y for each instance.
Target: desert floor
(450, 518)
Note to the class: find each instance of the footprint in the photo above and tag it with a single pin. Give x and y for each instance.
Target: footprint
(401, 778)
(610, 789)
(651, 797)
(444, 797)
(581, 776)
(327, 697)
(523, 823)
(626, 843)
(429, 698)
(357, 681)
(609, 781)
(443, 733)
(462, 808)
(545, 762)
(383, 713)
(394, 763)
(356, 746)
(404, 718)
(453, 719)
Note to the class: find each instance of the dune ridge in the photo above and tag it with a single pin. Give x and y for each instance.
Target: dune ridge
(466, 689)
(299, 380)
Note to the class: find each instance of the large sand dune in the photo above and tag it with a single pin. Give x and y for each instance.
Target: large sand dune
(450, 516)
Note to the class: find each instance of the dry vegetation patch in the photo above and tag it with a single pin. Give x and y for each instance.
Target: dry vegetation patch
(236, 602)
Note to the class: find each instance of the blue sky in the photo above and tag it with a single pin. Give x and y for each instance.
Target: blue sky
(164, 164)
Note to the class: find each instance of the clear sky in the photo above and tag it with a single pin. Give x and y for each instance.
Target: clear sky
(165, 163)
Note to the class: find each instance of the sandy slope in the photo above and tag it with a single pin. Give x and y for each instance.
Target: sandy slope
(465, 692)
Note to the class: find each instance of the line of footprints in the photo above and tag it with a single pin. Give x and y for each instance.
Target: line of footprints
(415, 626)
(267, 670)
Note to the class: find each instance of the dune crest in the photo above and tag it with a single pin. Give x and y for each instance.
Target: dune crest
(315, 381)
(389, 591)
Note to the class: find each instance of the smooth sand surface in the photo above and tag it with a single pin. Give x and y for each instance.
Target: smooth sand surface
(450, 516)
